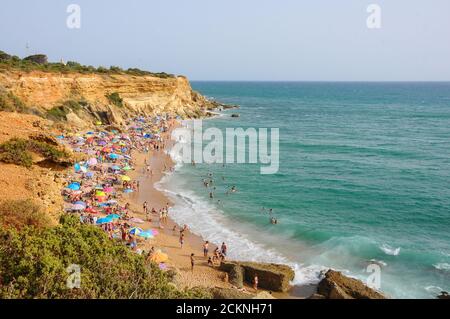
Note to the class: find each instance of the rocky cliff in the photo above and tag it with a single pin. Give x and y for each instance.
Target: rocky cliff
(44, 91)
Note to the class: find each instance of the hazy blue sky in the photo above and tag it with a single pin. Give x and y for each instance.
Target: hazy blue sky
(240, 39)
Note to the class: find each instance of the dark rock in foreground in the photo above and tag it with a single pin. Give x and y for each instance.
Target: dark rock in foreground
(272, 277)
(235, 115)
(337, 286)
(444, 295)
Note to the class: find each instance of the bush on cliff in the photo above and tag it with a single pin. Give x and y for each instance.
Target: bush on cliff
(21, 213)
(59, 113)
(18, 151)
(115, 99)
(34, 264)
(15, 151)
(11, 103)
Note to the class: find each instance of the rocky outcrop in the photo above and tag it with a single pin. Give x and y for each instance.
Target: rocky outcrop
(233, 293)
(444, 295)
(272, 277)
(337, 286)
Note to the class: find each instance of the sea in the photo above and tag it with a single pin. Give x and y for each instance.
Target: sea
(363, 184)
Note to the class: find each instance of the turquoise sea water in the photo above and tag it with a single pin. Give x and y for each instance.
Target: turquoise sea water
(364, 177)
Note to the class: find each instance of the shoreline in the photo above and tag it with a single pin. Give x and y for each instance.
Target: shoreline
(167, 240)
(162, 164)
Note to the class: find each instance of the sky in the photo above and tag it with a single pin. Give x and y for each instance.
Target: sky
(262, 40)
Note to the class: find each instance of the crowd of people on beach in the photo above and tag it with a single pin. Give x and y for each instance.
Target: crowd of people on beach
(99, 186)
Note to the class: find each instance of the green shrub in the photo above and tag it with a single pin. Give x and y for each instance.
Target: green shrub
(15, 151)
(20, 213)
(33, 264)
(11, 103)
(115, 99)
(115, 69)
(39, 63)
(18, 151)
(58, 113)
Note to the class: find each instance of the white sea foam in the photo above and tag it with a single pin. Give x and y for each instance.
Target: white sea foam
(211, 223)
(442, 266)
(388, 250)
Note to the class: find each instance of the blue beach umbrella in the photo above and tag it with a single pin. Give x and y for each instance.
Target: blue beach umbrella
(104, 220)
(113, 156)
(113, 216)
(80, 203)
(135, 231)
(128, 190)
(145, 234)
(74, 186)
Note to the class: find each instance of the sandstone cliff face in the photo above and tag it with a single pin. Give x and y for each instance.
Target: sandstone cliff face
(140, 94)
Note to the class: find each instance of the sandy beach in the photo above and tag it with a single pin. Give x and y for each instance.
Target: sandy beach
(168, 240)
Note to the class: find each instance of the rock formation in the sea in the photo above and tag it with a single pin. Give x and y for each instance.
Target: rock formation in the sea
(272, 277)
(444, 295)
(335, 285)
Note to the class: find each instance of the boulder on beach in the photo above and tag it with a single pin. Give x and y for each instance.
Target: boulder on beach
(335, 285)
(229, 293)
(272, 277)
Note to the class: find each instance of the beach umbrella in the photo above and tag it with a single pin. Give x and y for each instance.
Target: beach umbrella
(90, 174)
(100, 194)
(159, 257)
(127, 168)
(135, 231)
(154, 232)
(128, 191)
(104, 220)
(145, 235)
(74, 186)
(116, 168)
(92, 161)
(113, 216)
(77, 167)
(136, 220)
(111, 202)
(108, 190)
(80, 203)
(125, 178)
(78, 207)
(113, 156)
(98, 123)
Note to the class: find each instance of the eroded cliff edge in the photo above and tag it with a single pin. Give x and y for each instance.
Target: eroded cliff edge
(110, 98)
